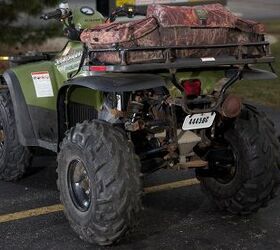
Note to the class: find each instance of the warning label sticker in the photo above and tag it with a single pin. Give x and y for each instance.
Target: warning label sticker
(42, 83)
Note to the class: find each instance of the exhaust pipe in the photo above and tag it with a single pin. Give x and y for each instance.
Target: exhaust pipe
(231, 106)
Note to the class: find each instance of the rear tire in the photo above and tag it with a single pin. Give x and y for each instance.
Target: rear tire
(14, 158)
(256, 176)
(103, 207)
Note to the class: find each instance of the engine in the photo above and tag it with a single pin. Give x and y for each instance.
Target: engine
(153, 124)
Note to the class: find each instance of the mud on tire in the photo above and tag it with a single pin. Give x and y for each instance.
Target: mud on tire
(114, 191)
(14, 158)
(256, 179)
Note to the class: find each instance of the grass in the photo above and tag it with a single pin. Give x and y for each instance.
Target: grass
(264, 92)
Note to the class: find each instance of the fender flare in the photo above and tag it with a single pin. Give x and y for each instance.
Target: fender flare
(24, 124)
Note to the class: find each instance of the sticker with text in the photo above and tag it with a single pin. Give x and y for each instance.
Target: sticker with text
(42, 83)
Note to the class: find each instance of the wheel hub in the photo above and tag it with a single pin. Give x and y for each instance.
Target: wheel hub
(79, 185)
(224, 164)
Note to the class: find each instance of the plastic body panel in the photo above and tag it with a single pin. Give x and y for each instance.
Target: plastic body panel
(37, 116)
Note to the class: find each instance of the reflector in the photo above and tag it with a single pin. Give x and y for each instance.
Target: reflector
(192, 87)
(98, 68)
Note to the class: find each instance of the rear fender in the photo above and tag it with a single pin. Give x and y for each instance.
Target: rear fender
(119, 82)
(257, 74)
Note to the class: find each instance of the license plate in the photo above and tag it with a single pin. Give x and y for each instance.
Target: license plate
(199, 121)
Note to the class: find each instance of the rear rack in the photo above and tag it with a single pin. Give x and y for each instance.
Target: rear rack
(190, 63)
(169, 62)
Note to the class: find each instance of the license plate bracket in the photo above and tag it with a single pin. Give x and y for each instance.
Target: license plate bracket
(199, 121)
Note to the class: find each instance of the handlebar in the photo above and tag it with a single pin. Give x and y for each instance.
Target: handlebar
(129, 12)
(57, 14)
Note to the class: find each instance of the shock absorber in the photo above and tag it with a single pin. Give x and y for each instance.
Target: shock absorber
(134, 115)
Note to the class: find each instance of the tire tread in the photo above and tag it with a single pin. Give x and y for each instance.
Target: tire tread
(119, 191)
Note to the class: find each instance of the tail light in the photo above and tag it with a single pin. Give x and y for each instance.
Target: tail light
(98, 68)
(192, 87)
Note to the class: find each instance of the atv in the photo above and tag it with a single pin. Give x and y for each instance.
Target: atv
(111, 124)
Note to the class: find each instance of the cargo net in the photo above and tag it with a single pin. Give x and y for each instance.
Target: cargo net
(169, 33)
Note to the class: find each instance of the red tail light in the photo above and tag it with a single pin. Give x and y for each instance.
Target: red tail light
(192, 87)
(98, 68)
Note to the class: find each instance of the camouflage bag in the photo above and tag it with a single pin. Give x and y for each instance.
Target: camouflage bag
(207, 25)
(141, 33)
(171, 26)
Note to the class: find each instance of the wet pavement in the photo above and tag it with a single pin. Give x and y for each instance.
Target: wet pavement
(182, 218)
(177, 219)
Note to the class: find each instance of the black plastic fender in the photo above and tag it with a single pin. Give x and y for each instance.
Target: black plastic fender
(257, 74)
(23, 120)
(118, 82)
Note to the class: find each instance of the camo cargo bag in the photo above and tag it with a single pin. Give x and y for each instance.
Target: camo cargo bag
(174, 26)
(205, 26)
(140, 33)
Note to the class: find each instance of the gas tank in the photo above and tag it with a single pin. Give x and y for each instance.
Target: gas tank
(86, 17)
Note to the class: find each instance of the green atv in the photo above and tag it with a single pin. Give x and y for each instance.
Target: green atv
(111, 125)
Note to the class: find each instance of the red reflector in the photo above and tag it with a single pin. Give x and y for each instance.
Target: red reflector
(98, 68)
(192, 87)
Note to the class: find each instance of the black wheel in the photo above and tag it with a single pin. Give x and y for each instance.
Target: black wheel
(14, 158)
(99, 182)
(247, 175)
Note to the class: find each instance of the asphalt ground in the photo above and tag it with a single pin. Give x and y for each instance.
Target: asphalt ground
(174, 217)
